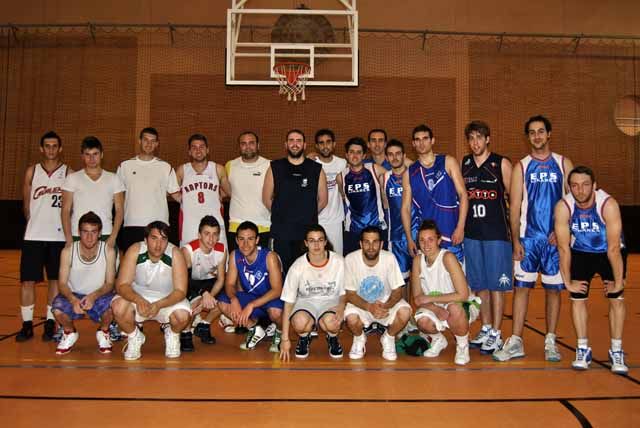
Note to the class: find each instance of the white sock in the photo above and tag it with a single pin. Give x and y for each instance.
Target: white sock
(388, 335)
(583, 343)
(462, 340)
(27, 312)
(486, 327)
(616, 345)
(550, 337)
(50, 313)
(496, 333)
(133, 333)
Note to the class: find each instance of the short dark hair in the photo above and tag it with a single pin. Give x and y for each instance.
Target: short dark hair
(149, 130)
(325, 131)
(477, 126)
(49, 135)
(429, 225)
(371, 229)
(377, 130)
(421, 128)
(90, 218)
(160, 226)
(90, 142)
(249, 133)
(197, 137)
(208, 220)
(537, 118)
(248, 225)
(581, 169)
(318, 228)
(297, 131)
(394, 143)
(355, 141)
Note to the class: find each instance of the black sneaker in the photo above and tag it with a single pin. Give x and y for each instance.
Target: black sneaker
(204, 333)
(302, 348)
(26, 332)
(114, 332)
(335, 349)
(49, 330)
(186, 342)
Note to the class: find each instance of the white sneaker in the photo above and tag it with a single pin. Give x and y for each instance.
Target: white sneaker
(583, 359)
(513, 348)
(551, 352)
(388, 347)
(171, 343)
(226, 324)
(104, 342)
(270, 330)
(66, 342)
(133, 346)
(482, 337)
(462, 355)
(438, 344)
(358, 347)
(492, 344)
(254, 336)
(617, 362)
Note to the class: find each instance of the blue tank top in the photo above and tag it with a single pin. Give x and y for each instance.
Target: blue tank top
(254, 277)
(434, 195)
(363, 207)
(393, 191)
(588, 228)
(543, 188)
(385, 163)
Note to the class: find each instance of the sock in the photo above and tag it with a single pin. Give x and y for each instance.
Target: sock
(550, 337)
(133, 333)
(616, 345)
(462, 340)
(27, 312)
(204, 322)
(583, 343)
(388, 335)
(486, 327)
(49, 313)
(495, 332)
(332, 334)
(516, 337)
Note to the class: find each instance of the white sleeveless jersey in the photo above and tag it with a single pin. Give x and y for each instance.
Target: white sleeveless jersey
(45, 205)
(435, 279)
(154, 281)
(205, 266)
(334, 211)
(200, 197)
(87, 276)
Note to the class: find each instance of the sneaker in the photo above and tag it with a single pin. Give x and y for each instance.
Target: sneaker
(203, 331)
(226, 324)
(67, 342)
(254, 336)
(358, 347)
(271, 329)
(583, 359)
(133, 346)
(58, 334)
(617, 362)
(551, 352)
(172, 343)
(492, 344)
(513, 348)
(438, 344)
(49, 330)
(482, 337)
(314, 333)
(462, 355)
(388, 347)
(275, 342)
(115, 333)
(335, 349)
(374, 328)
(302, 348)
(411, 326)
(104, 342)
(26, 332)
(186, 342)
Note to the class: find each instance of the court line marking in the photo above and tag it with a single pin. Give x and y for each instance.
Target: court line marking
(582, 419)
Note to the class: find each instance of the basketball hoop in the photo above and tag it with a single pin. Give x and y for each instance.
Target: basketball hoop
(292, 77)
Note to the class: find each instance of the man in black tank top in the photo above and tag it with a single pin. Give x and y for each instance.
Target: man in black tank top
(295, 190)
(487, 242)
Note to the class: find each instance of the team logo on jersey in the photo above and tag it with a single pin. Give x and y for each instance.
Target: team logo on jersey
(371, 289)
(543, 177)
(358, 188)
(468, 161)
(585, 226)
(44, 190)
(200, 185)
(504, 281)
(482, 194)
(395, 192)
(254, 279)
(257, 174)
(305, 182)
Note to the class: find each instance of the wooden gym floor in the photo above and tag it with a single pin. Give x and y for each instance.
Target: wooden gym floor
(223, 386)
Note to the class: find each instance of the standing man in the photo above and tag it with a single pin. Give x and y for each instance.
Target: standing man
(152, 285)
(376, 145)
(538, 182)
(373, 283)
(92, 189)
(295, 190)
(487, 237)
(433, 185)
(44, 238)
(588, 227)
(362, 195)
(246, 177)
(332, 216)
(200, 181)
(147, 181)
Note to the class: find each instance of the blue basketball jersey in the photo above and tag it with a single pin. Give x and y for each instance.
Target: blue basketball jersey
(385, 163)
(588, 228)
(434, 195)
(543, 187)
(363, 207)
(393, 191)
(254, 277)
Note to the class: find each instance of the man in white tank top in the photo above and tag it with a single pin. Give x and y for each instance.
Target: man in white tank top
(200, 181)
(87, 276)
(147, 181)
(152, 285)
(439, 289)
(43, 238)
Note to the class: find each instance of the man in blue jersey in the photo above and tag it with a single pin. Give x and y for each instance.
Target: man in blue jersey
(434, 187)
(588, 228)
(360, 183)
(259, 273)
(538, 182)
(376, 143)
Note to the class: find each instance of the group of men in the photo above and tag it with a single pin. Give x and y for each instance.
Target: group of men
(451, 229)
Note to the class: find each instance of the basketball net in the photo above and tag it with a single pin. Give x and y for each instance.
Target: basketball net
(292, 77)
